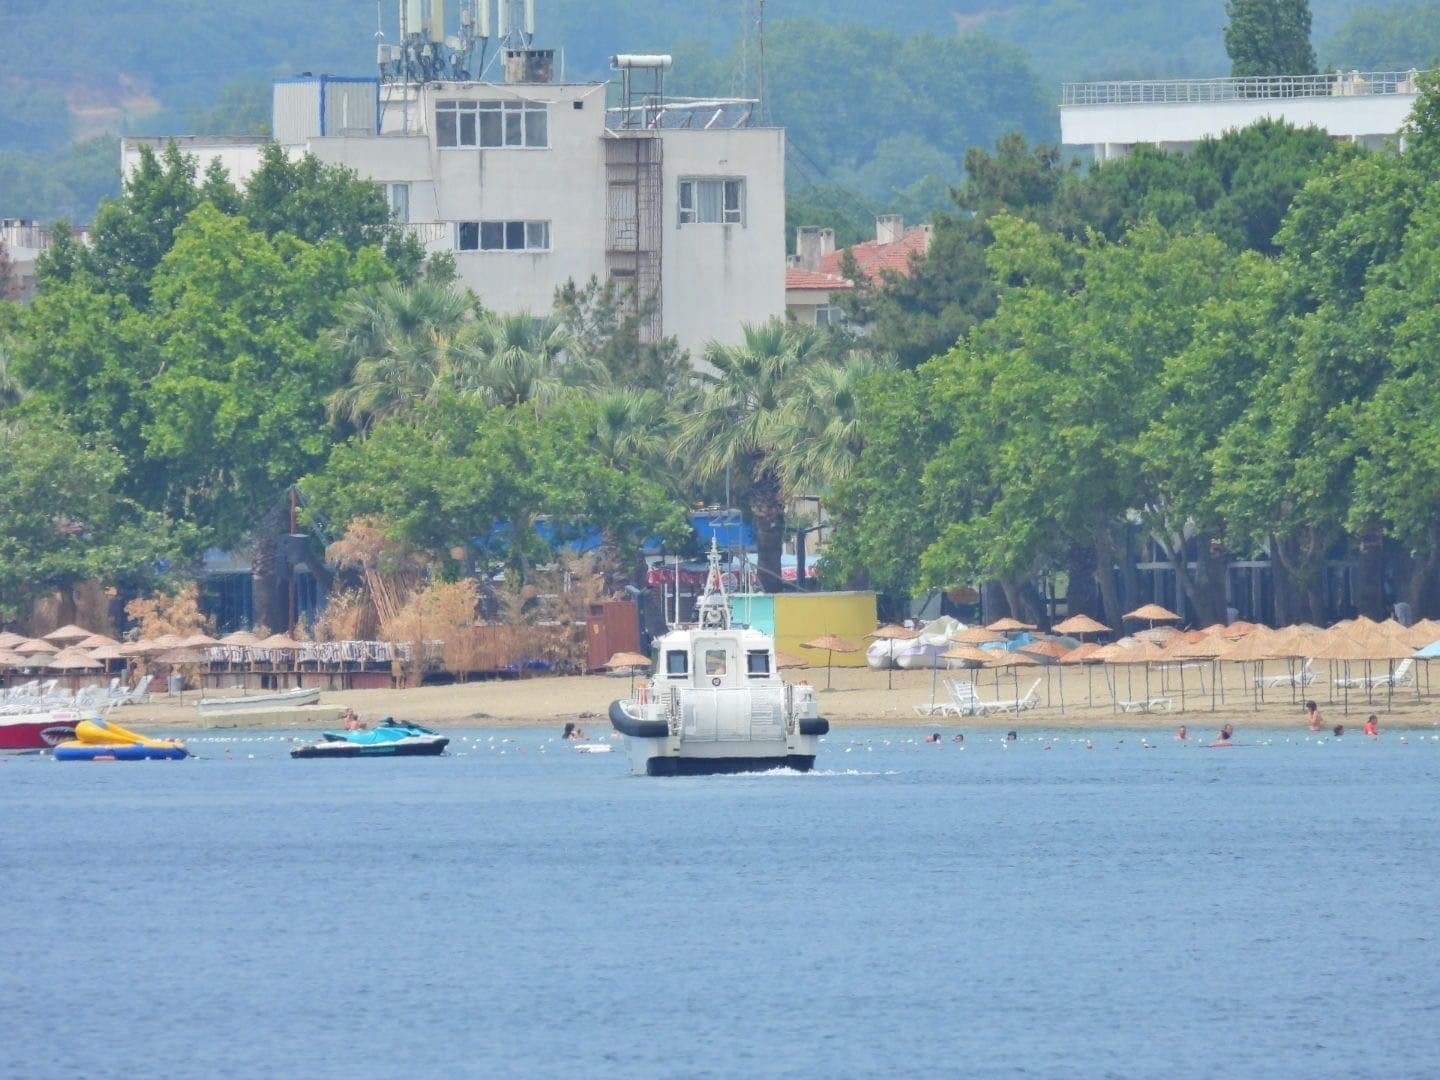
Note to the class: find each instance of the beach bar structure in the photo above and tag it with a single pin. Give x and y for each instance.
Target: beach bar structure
(795, 618)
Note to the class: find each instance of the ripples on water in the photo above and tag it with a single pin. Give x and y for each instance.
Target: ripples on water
(1031, 909)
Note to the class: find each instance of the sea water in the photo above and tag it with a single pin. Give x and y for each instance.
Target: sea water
(1121, 905)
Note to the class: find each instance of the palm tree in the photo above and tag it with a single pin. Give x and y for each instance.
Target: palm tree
(632, 429)
(520, 360)
(395, 344)
(744, 418)
(828, 436)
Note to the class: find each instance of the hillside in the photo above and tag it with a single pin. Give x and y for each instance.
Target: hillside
(871, 103)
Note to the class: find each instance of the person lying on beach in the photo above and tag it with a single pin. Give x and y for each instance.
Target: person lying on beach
(1372, 725)
(1312, 713)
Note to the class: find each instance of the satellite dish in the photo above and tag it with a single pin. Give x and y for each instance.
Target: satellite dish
(452, 42)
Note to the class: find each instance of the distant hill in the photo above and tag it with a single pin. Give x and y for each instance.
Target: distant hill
(842, 76)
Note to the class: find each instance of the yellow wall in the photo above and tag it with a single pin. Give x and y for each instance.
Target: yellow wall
(801, 617)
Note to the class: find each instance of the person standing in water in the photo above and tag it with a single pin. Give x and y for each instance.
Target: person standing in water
(1312, 714)
(1372, 725)
(1223, 739)
(1182, 734)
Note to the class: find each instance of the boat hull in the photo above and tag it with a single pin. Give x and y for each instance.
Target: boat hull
(723, 766)
(426, 747)
(124, 752)
(257, 702)
(36, 731)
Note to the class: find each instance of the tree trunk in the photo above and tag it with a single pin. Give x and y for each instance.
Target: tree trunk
(1032, 603)
(767, 507)
(263, 567)
(800, 560)
(1105, 579)
(1082, 595)
(1369, 576)
(65, 611)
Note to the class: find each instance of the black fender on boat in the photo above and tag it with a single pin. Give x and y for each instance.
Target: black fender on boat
(818, 726)
(626, 724)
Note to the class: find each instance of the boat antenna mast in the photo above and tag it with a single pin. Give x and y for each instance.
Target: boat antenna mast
(714, 604)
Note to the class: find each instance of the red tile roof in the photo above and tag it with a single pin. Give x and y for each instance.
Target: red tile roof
(796, 278)
(873, 257)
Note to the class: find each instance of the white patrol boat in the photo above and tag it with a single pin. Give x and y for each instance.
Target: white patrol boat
(716, 702)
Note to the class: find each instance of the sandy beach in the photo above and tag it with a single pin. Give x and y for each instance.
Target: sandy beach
(860, 696)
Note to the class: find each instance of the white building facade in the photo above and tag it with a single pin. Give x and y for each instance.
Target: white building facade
(1112, 117)
(533, 184)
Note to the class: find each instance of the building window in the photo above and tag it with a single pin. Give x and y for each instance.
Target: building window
(712, 202)
(492, 124)
(829, 315)
(503, 236)
(398, 197)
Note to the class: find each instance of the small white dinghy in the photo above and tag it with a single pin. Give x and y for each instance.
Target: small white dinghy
(255, 702)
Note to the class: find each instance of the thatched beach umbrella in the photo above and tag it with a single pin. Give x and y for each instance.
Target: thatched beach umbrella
(1207, 646)
(10, 659)
(831, 644)
(1152, 613)
(73, 660)
(1082, 654)
(107, 653)
(35, 647)
(198, 641)
(1009, 626)
(9, 639)
(240, 637)
(1012, 660)
(976, 635)
(892, 633)
(68, 634)
(784, 661)
(96, 641)
(1048, 653)
(1254, 648)
(1141, 653)
(630, 660)
(1080, 626)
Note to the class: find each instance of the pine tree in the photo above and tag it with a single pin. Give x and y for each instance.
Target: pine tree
(1269, 37)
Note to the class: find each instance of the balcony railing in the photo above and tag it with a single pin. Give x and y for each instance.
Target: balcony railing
(1210, 91)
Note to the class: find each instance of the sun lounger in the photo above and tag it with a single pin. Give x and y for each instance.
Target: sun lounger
(1030, 701)
(1303, 677)
(1148, 705)
(1400, 677)
(963, 701)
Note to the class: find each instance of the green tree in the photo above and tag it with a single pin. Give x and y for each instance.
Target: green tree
(395, 343)
(1269, 37)
(62, 522)
(600, 324)
(743, 420)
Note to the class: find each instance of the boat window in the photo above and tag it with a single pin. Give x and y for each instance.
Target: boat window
(676, 662)
(757, 662)
(715, 661)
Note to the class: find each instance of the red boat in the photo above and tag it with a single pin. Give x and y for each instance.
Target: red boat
(36, 731)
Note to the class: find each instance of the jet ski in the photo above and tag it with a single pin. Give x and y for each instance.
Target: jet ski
(389, 739)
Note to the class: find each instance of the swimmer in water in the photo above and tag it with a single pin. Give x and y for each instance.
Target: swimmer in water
(958, 738)
(1312, 714)
(1372, 725)
(934, 737)
(1338, 730)
(1182, 734)
(1011, 737)
(1223, 739)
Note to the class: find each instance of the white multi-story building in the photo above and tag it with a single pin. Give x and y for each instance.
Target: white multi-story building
(1175, 114)
(532, 183)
